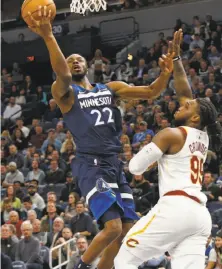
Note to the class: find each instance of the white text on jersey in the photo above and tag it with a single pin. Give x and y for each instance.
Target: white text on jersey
(101, 101)
(198, 146)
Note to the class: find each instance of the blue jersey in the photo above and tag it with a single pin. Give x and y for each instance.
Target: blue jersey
(94, 121)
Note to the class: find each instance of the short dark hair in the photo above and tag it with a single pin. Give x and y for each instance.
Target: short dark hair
(80, 203)
(27, 199)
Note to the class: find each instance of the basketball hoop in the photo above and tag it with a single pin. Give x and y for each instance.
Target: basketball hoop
(81, 6)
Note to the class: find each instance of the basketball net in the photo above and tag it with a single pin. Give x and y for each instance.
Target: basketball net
(81, 6)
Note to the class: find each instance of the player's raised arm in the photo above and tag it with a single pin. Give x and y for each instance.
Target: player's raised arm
(182, 86)
(125, 91)
(61, 89)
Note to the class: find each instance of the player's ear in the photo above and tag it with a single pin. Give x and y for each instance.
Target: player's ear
(195, 118)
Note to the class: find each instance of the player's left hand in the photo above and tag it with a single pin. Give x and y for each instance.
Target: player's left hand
(166, 63)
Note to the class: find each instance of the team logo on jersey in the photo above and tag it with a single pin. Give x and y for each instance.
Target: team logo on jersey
(102, 185)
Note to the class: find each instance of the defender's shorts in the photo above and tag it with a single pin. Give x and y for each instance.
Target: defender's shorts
(103, 183)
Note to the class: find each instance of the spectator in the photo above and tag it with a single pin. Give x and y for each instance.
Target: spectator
(108, 74)
(70, 186)
(41, 96)
(211, 24)
(12, 231)
(214, 260)
(12, 110)
(13, 175)
(66, 235)
(97, 63)
(82, 223)
(59, 133)
(31, 150)
(55, 174)
(53, 236)
(28, 206)
(47, 220)
(16, 157)
(200, 93)
(124, 72)
(5, 145)
(70, 210)
(210, 188)
(6, 208)
(20, 125)
(61, 163)
(8, 244)
(51, 140)
(52, 112)
(212, 84)
(28, 248)
(38, 138)
(196, 43)
(35, 197)
(3, 173)
(14, 220)
(35, 122)
(141, 69)
(52, 198)
(18, 190)
(154, 72)
(19, 139)
(41, 236)
(36, 173)
(67, 150)
(82, 246)
(11, 194)
(32, 216)
(140, 136)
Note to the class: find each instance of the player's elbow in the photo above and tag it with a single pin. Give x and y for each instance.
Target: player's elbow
(134, 167)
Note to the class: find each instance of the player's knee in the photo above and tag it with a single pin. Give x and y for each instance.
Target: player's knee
(113, 228)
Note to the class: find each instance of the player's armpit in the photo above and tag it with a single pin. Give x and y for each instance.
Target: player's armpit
(63, 95)
(125, 91)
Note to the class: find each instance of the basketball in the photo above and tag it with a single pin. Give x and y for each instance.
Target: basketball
(32, 7)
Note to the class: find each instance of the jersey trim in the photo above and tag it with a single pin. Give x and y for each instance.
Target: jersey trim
(184, 131)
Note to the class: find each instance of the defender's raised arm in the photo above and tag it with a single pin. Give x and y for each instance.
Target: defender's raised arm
(182, 86)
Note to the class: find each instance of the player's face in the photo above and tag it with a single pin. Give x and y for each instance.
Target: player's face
(189, 112)
(78, 67)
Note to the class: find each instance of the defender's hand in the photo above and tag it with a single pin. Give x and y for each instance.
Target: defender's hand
(43, 26)
(174, 47)
(166, 63)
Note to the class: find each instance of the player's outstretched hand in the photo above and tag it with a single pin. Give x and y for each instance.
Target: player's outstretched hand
(166, 63)
(174, 47)
(42, 26)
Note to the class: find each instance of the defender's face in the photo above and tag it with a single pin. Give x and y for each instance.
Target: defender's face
(186, 112)
(77, 65)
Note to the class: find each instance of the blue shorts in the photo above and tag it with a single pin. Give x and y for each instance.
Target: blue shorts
(102, 181)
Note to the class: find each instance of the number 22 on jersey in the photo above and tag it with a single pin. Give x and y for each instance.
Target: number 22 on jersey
(196, 166)
(99, 120)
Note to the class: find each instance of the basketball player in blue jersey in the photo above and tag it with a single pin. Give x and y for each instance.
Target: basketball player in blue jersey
(90, 114)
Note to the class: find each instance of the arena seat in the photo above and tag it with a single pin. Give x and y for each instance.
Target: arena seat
(44, 253)
(18, 265)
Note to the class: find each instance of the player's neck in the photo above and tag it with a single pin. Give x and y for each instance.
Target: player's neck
(84, 83)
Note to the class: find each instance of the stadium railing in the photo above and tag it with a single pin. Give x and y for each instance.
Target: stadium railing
(59, 248)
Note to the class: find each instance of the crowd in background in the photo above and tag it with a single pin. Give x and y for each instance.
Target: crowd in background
(37, 149)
